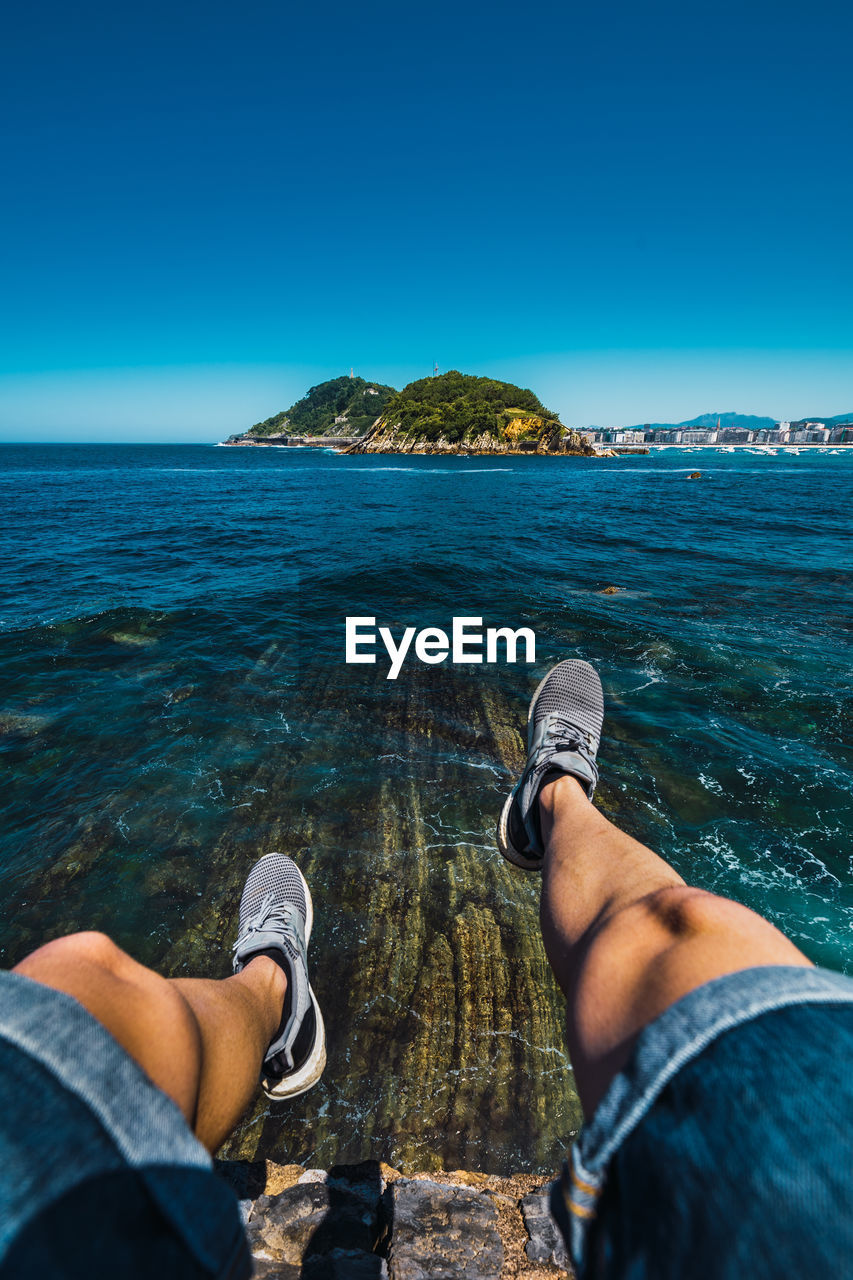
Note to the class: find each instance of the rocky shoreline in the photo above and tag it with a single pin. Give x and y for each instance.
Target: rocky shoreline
(527, 438)
(283, 440)
(570, 444)
(370, 1222)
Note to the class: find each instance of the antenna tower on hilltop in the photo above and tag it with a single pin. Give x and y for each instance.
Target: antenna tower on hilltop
(435, 369)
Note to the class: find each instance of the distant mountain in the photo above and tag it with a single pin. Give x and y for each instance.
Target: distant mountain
(749, 421)
(839, 417)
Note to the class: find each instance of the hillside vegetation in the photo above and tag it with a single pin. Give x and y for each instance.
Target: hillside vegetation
(453, 413)
(459, 406)
(359, 402)
(461, 413)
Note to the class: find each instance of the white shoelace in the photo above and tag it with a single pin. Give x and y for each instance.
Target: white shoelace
(271, 917)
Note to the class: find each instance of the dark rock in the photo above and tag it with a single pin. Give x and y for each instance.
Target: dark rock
(310, 1220)
(246, 1178)
(442, 1232)
(695, 475)
(611, 591)
(340, 1265)
(546, 1242)
(364, 1179)
(264, 1269)
(345, 1264)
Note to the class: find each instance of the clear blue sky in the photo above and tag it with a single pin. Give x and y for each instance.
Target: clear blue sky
(641, 210)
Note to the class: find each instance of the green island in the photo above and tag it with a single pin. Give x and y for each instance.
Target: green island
(451, 413)
(462, 413)
(341, 407)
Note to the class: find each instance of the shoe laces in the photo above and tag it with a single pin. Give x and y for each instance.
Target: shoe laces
(561, 733)
(271, 916)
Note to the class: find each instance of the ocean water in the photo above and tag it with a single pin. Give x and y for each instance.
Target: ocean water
(174, 701)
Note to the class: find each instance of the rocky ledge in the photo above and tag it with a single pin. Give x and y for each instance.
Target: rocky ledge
(529, 434)
(369, 1222)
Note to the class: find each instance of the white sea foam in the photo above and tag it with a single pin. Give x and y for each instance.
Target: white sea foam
(435, 471)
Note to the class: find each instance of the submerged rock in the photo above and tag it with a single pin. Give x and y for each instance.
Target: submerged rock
(132, 639)
(695, 475)
(27, 724)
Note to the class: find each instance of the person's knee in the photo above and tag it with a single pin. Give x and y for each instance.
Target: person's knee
(686, 913)
(95, 947)
(142, 1010)
(89, 947)
(683, 911)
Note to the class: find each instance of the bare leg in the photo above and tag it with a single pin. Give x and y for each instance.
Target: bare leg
(626, 937)
(201, 1041)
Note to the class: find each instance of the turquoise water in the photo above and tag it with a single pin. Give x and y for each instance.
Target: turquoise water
(174, 700)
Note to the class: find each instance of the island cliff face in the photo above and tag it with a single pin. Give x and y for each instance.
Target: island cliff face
(522, 435)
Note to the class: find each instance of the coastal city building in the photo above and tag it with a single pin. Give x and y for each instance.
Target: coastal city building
(805, 432)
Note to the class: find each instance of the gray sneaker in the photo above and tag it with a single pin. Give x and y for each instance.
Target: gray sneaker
(276, 915)
(563, 732)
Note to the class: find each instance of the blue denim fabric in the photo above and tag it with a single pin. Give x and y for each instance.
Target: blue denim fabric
(99, 1172)
(723, 1147)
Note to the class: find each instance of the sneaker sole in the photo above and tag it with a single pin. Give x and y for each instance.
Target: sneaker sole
(309, 1073)
(505, 845)
(311, 1070)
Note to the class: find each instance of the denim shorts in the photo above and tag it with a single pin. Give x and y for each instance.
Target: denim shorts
(724, 1148)
(100, 1174)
